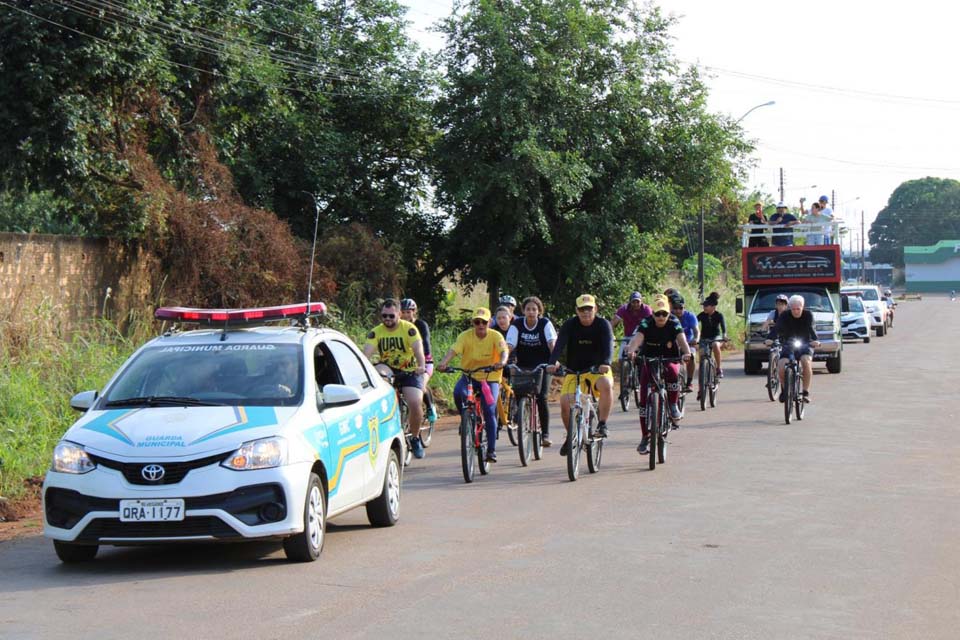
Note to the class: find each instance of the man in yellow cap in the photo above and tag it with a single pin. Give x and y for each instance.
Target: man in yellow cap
(587, 341)
(659, 335)
(480, 347)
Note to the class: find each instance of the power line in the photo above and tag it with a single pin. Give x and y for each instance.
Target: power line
(858, 163)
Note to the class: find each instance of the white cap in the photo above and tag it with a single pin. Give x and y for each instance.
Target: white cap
(781, 204)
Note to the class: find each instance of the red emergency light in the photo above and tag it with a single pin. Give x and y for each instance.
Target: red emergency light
(240, 316)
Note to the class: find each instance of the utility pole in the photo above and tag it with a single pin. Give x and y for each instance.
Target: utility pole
(781, 185)
(833, 200)
(700, 258)
(863, 258)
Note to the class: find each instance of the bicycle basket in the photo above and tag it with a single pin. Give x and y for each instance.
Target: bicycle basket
(526, 383)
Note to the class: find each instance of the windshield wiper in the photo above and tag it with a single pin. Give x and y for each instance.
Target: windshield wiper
(154, 401)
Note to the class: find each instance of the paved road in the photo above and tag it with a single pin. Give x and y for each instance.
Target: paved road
(842, 526)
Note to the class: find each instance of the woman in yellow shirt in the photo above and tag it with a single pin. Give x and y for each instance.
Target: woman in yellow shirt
(480, 347)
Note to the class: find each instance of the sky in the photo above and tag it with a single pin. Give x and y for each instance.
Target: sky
(865, 92)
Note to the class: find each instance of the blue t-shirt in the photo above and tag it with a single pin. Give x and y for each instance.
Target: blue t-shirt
(689, 323)
(784, 234)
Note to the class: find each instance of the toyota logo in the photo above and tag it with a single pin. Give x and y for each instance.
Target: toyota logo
(153, 472)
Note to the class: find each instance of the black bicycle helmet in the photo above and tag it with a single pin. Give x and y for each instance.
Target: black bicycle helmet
(408, 304)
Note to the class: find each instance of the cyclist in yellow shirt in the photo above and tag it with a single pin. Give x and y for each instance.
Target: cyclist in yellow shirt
(398, 345)
(480, 347)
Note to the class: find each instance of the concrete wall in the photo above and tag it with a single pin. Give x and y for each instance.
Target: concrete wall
(940, 276)
(72, 275)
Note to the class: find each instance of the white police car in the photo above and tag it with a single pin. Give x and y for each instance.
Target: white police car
(233, 432)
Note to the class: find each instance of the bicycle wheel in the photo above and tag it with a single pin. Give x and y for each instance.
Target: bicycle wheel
(481, 438)
(798, 403)
(467, 458)
(626, 378)
(426, 429)
(789, 391)
(524, 433)
(534, 419)
(773, 383)
(682, 381)
(573, 444)
(507, 409)
(654, 410)
(703, 382)
(635, 383)
(662, 440)
(714, 387)
(594, 446)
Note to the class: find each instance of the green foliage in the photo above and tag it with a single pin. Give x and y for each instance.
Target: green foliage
(712, 269)
(919, 212)
(573, 146)
(24, 211)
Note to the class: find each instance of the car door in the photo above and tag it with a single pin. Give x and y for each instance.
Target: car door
(353, 444)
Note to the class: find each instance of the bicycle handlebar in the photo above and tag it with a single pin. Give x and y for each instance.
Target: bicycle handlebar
(562, 369)
(468, 372)
(539, 367)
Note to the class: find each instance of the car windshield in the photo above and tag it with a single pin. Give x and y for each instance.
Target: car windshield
(851, 304)
(868, 294)
(813, 300)
(215, 374)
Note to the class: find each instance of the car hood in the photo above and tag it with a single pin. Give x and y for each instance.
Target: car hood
(162, 432)
(818, 316)
(852, 315)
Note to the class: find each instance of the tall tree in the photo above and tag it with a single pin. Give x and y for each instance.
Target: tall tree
(573, 146)
(919, 212)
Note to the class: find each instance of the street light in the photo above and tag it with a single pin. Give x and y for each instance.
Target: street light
(752, 109)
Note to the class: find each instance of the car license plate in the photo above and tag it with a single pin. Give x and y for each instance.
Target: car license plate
(165, 510)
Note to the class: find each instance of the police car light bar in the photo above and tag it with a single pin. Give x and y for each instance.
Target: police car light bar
(239, 316)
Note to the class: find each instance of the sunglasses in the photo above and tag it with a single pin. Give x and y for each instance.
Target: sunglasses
(479, 323)
(661, 314)
(388, 316)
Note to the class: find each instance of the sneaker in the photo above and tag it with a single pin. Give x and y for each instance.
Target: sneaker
(431, 414)
(642, 447)
(565, 448)
(783, 395)
(602, 430)
(719, 373)
(675, 412)
(688, 388)
(417, 447)
(805, 396)
(545, 440)
(491, 456)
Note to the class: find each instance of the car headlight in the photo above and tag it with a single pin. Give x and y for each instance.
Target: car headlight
(265, 453)
(71, 458)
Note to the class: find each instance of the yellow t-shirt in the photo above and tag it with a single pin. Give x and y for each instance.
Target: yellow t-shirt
(475, 352)
(396, 347)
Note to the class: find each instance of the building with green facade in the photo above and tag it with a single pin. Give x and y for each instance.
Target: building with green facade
(934, 268)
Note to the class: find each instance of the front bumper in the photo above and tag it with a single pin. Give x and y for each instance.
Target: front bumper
(829, 348)
(856, 330)
(220, 504)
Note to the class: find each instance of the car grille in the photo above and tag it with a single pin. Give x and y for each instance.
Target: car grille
(189, 527)
(174, 471)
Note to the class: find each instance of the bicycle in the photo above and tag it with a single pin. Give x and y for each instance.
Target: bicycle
(526, 387)
(473, 433)
(582, 418)
(659, 421)
(506, 410)
(629, 379)
(709, 383)
(773, 380)
(793, 401)
(426, 427)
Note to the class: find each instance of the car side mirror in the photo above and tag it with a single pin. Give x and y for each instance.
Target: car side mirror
(338, 395)
(739, 305)
(84, 400)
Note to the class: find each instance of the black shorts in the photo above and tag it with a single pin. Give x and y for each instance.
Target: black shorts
(803, 351)
(407, 379)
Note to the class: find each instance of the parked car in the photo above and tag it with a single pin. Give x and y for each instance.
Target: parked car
(228, 433)
(854, 319)
(876, 307)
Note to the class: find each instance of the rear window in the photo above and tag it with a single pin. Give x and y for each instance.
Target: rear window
(868, 293)
(851, 303)
(227, 374)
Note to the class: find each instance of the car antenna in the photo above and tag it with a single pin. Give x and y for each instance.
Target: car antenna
(313, 252)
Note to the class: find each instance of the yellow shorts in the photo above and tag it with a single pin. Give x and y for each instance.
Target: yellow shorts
(588, 383)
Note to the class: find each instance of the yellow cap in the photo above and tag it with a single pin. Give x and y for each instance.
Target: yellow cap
(481, 313)
(586, 300)
(660, 303)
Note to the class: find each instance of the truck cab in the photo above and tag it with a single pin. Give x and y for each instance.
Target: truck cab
(811, 271)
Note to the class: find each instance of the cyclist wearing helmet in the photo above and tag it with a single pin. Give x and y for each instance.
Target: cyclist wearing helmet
(408, 312)
(712, 326)
(511, 304)
(691, 331)
(780, 306)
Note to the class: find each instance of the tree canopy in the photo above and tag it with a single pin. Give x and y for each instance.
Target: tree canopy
(919, 212)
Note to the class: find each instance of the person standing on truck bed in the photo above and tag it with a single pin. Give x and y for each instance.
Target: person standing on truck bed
(757, 236)
(782, 220)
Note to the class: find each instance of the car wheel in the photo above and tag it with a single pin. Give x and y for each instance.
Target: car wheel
(866, 340)
(72, 553)
(384, 510)
(307, 545)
